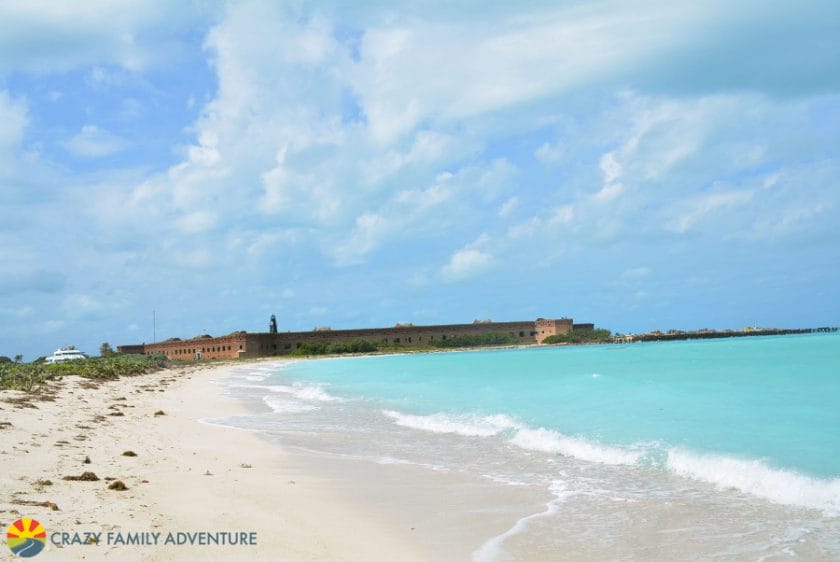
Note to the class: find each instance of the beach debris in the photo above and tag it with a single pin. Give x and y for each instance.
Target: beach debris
(86, 476)
(208, 473)
(5, 424)
(144, 481)
(117, 485)
(160, 413)
(87, 460)
(43, 482)
(21, 402)
(116, 414)
(109, 478)
(292, 482)
(129, 454)
(245, 465)
(34, 503)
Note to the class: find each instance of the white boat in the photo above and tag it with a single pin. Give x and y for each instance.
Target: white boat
(65, 354)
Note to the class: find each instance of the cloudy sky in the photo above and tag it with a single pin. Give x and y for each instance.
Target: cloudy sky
(637, 164)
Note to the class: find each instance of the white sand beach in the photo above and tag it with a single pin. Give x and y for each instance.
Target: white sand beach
(187, 476)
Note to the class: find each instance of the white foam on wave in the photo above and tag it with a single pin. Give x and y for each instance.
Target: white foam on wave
(281, 405)
(756, 478)
(393, 460)
(491, 550)
(466, 425)
(549, 441)
(540, 439)
(301, 391)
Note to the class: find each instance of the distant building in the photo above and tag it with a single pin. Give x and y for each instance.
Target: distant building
(246, 345)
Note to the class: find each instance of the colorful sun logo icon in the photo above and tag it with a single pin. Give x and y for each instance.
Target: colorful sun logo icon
(26, 537)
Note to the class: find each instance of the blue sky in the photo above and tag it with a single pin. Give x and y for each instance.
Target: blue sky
(639, 165)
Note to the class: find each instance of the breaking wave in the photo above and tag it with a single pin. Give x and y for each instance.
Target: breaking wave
(755, 477)
(539, 439)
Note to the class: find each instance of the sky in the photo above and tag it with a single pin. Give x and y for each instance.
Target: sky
(169, 169)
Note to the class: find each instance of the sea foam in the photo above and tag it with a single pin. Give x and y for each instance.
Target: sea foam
(280, 405)
(539, 439)
(466, 425)
(756, 478)
(549, 441)
(491, 550)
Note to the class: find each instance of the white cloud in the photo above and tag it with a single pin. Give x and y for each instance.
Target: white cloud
(94, 142)
(13, 121)
(411, 71)
(39, 35)
(198, 221)
(467, 262)
(697, 208)
(508, 207)
(370, 231)
(635, 273)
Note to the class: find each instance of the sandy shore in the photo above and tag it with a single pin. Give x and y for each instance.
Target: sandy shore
(187, 477)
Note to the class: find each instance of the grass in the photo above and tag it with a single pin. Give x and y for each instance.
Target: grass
(29, 376)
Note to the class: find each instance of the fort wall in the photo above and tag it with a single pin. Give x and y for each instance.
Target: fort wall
(266, 344)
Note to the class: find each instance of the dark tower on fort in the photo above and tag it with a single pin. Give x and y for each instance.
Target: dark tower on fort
(272, 326)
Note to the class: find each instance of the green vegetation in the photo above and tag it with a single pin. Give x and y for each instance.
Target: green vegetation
(580, 336)
(26, 376)
(336, 348)
(105, 350)
(366, 346)
(475, 341)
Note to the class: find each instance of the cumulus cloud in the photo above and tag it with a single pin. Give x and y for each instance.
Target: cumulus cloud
(370, 144)
(465, 263)
(94, 142)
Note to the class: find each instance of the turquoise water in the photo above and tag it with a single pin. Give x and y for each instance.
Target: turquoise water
(716, 449)
(775, 399)
(759, 415)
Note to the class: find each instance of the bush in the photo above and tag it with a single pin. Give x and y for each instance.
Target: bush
(336, 348)
(26, 376)
(580, 336)
(476, 340)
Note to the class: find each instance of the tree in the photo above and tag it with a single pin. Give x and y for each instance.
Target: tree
(18, 358)
(105, 350)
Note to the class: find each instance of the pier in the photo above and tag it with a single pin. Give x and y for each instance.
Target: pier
(674, 335)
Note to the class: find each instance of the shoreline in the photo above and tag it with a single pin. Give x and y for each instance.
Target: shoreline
(194, 473)
(187, 476)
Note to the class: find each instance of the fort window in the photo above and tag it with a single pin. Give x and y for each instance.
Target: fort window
(443, 336)
(533, 333)
(287, 346)
(409, 340)
(240, 346)
(396, 340)
(521, 334)
(274, 346)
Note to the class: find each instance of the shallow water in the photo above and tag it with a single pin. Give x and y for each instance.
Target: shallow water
(713, 449)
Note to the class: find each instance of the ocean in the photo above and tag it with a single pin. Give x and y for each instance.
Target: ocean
(702, 449)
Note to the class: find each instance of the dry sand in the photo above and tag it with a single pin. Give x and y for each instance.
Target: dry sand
(186, 476)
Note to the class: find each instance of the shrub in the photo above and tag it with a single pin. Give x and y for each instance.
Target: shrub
(580, 336)
(26, 376)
